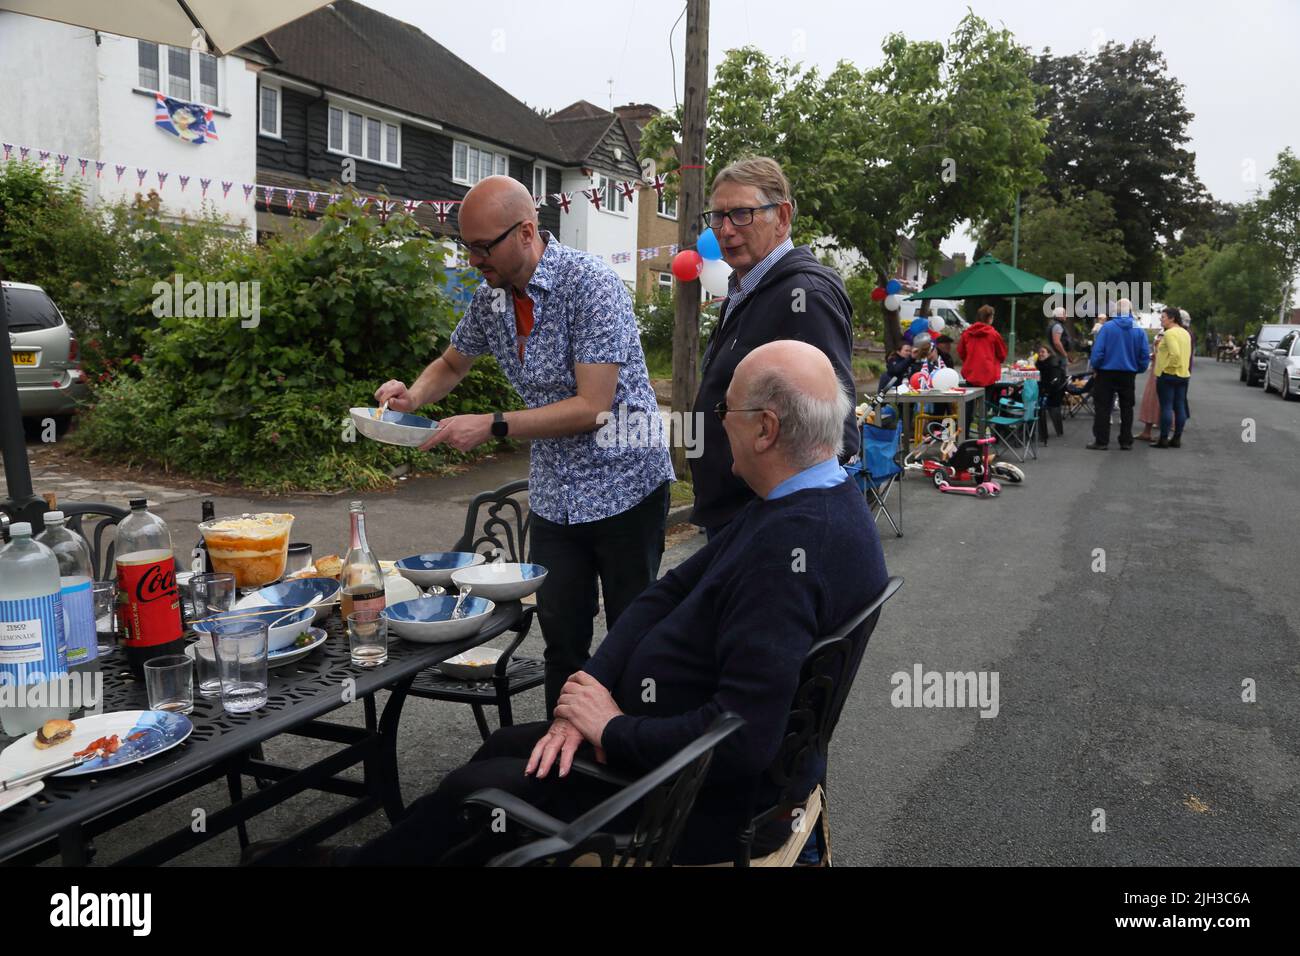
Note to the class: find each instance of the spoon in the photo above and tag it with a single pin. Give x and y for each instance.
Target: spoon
(456, 612)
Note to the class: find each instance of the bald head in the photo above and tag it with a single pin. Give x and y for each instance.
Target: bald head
(798, 382)
(502, 208)
(497, 202)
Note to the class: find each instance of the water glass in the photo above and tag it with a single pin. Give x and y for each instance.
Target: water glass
(241, 647)
(368, 638)
(212, 593)
(169, 681)
(105, 597)
(205, 665)
(299, 557)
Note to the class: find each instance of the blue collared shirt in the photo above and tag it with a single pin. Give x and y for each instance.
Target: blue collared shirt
(826, 474)
(582, 314)
(741, 289)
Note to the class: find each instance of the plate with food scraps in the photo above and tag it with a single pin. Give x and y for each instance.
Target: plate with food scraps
(11, 798)
(111, 741)
(303, 644)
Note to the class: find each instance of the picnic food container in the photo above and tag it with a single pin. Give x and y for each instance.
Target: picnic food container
(252, 547)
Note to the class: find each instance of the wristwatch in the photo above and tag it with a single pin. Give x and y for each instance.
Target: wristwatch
(500, 427)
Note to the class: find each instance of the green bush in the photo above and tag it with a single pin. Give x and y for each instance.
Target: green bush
(341, 310)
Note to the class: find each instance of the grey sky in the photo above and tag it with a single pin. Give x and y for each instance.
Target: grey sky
(1237, 61)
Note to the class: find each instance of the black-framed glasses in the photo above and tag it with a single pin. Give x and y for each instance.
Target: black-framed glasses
(741, 216)
(721, 410)
(484, 249)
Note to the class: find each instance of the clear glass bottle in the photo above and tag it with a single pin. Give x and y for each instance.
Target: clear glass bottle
(76, 574)
(362, 579)
(33, 650)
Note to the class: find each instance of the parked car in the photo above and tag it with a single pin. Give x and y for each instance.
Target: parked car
(51, 383)
(1283, 372)
(1259, 348)
(946, 309)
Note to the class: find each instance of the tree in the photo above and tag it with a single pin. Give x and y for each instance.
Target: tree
(1118, 125)
(1274, 222)
(932, 137)
(1231, 287)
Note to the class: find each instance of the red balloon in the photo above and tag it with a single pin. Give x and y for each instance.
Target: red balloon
(878, 294)
(687, 265)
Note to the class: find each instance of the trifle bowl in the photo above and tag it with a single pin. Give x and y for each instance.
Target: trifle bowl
(252, 547)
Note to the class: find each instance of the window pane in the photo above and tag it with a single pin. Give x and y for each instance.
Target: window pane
(336, 129)
(270, 112)
(208, 79)
(503, 166)
(458, 170)
(484, 165)
(390, 149)
(373, 127)
(178, 73)
(148, 56)
(354, 134)
(471, 173)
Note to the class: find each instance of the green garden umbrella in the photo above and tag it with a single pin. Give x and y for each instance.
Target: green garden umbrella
(990, 276)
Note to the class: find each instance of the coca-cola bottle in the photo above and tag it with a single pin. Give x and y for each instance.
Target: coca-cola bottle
(149, 604)
(362, 580)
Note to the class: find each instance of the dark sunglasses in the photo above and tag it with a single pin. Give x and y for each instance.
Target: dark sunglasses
(721, 410)
(484, 249)
(742, 216)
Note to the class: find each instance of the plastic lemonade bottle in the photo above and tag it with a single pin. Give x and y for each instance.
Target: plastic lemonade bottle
(33, 651)
(76, 576)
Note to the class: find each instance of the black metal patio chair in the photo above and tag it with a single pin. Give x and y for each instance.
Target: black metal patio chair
(504, 528)
(666, 794)
(101, 535)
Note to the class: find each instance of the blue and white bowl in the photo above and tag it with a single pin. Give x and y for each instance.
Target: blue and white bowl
(278, 637)
(395, 428)
(428, 620)
(501, 581)
(295, 594)
(436, 567)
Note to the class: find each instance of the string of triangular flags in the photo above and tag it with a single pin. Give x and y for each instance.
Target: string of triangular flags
(311, 199)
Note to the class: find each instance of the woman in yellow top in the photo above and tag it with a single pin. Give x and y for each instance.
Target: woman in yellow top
(1173, 370)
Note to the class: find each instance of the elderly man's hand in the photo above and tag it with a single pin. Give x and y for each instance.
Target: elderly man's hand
(585, 703)
(462, 432)
(562, 740)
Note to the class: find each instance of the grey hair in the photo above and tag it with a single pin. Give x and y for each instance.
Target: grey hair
(812, 429)
(1184, 318)
(764, 174)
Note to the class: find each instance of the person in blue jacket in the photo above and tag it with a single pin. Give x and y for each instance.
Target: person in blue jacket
(1120, 351)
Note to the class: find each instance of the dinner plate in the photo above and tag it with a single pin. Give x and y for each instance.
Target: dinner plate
(11, 798)
(288, 655)
(158, 731)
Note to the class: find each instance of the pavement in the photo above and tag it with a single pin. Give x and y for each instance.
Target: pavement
(1127, 602)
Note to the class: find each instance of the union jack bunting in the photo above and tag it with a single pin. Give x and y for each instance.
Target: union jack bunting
(441, 209)
(628, 189)
(660, 182)
(248, 190)
(23, 151)
(204, 184)
(63, 161)
(563, 200)
(83, 163)
(538, 201)
(620, 257)
(120, 171)
(268, 194)
(385, 206)
(410, 205)
(9, 148)
(140, 174)
(44, 154)
(648, 253)
(594, 196)
(225, 188)
(184, 181)
(361, 202)
(162, 179)
(312, 196)
(289, 196)
(99, 168)
(672, 250)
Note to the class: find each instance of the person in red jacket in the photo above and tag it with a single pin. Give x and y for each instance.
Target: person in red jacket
(982, 352)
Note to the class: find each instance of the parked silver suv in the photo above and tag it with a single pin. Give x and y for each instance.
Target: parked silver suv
(51, 383)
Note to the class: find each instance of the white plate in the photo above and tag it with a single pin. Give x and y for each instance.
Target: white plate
(11, 798)
(289, 655)
(161, 732)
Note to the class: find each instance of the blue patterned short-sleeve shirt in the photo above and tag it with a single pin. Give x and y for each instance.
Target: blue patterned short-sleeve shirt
(582, 313)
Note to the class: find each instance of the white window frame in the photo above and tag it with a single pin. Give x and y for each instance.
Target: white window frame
(361, 150)
(497, 165)
(164, 75)
(663, 206)
(279, 109)
(609, 186)
(542, 169)
(660, 284)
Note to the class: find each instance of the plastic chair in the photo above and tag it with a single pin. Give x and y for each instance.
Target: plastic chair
(878, 473)
(667, 795)
(503, 528)
(1016, 425)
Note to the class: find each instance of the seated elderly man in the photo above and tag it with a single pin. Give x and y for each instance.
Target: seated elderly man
(727, 630)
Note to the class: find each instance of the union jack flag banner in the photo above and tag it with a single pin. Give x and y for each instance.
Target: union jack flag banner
(162, 179)
(268, 194)
(563, 200)
(620, 257)
(648, 253)
(311, 200)
(204, 184)
(538, 200)
(44, 154)
(99, 168)
(120, 171)
(9, 148)
(361, 202)
(672, 250)
(335, 197)
(628, 189)
(83, 163)
(140, 174)
(188, 121)
(289, 196)
(594, 196)
(225, 188)
(385, 206)
(23, 151)
(410, 205)
(184, 181)
(248, 190)
(441, 209)
(63, 161)
(660, 182)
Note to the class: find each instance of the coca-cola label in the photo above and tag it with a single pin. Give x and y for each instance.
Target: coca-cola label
(151, 611)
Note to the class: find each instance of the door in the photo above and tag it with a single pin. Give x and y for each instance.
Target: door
(1277, 361)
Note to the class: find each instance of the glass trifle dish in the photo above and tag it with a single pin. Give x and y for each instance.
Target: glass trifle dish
(252, 547)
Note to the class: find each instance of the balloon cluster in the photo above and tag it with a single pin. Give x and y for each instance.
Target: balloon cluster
(889, 294)
(705, 263)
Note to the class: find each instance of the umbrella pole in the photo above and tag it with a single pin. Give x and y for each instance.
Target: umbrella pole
(1015, 264)
(22, 504)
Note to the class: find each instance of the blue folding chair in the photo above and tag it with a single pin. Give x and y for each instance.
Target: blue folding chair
(1016, 424)
(878, 473)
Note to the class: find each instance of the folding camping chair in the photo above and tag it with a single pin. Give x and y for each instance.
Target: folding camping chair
(1078, 394)
(878, 473)
(1016, 425)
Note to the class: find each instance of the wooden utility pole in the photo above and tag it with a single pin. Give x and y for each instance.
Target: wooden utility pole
(690, 205)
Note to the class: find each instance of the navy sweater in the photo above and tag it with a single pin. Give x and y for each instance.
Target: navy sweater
(727, 630)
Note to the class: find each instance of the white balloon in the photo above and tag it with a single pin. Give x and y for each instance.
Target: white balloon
(714, 277)
(945, 378)
(936, 324)
(892, 302)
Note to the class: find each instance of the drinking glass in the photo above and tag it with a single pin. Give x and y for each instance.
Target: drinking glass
(299, 557)
(105, 597)
(212, 593)
(241, 647)
(207, 672)
(169, 681)
(368, 638)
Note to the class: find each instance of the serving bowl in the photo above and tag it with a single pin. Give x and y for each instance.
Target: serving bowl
(501, 581)
(295, 593)
(428, 620)
(474, 664)
(395, 428)
(436, 567)
(278, 636)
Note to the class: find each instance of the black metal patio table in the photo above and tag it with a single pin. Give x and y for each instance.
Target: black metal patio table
(69, 812)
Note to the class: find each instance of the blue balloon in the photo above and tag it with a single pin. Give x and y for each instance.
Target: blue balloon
(707, 246)
(893, 287)
(919, 325)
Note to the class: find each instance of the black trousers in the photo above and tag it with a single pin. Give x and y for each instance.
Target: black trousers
(621, 553)
(1106, 385)
(434, 825)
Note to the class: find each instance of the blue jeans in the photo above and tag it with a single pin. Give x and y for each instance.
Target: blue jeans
(1172, 390)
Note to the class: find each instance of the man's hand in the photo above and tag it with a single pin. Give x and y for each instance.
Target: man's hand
(397, 395)
(462, 432)
(586, 704)
(562, 740)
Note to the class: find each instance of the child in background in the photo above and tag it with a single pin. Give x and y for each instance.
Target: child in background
(1052, 378)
